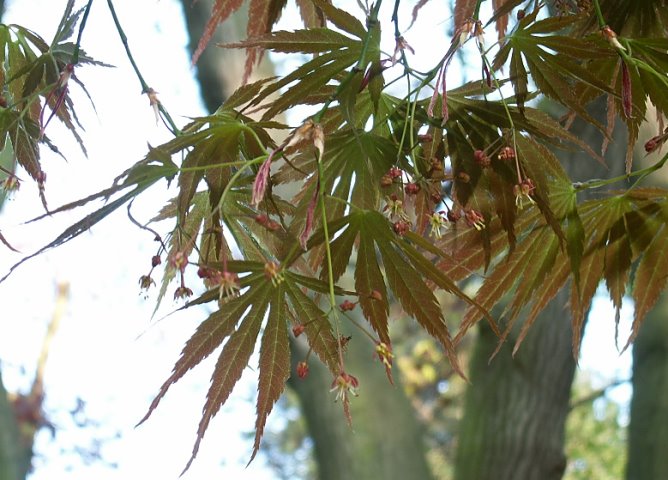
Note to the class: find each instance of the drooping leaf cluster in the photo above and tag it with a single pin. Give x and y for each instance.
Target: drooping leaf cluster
(412, 192)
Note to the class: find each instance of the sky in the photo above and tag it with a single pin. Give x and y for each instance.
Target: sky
(109, 350)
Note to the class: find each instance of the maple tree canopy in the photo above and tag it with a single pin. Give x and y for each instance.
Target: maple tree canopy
(411, 191)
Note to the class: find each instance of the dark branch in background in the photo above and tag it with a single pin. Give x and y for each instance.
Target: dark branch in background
(587, 399)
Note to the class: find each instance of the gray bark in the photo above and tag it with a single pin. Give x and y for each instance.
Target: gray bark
(648, 430)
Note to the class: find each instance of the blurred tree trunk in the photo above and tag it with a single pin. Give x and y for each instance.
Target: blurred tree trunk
(516, 408)
(648, 428)
(385, 441)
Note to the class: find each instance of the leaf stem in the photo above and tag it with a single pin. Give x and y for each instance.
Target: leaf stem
(84, 19)
(599, 14)
(596, 183)
(145, 88)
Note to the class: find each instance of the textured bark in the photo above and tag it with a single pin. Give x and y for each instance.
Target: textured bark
(648, 427)
(516, 409)
(648, 430)
(513, 426)
(385, 441)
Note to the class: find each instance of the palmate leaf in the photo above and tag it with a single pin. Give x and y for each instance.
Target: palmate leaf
(404, 269)
(236, 326)
(650, 277)
(221, 11)
(622, 231)
(274, 363)
(262, 14)
(554, 61)
(338, 52)
(318, 331)
(231, 364)
(341, 18)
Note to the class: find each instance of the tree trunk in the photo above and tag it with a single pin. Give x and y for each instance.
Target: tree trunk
(513, 426)
(385, 440)
(648, 430)
(516, 409)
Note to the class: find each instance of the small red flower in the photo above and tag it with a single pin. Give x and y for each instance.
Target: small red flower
(453, 216)
(437, 222)
(481, 158)
(155, 261)
(182, 292)
(302, 369)
(412, 189)
(179, 260)
(145, 282)
(656, 142)
(395, 172)
(464, 177)
(344, 384)
(474, 219)
(347, 306)
(298, 329)
(376, 295)
(401, 227)
(506, 153)
(272, 271)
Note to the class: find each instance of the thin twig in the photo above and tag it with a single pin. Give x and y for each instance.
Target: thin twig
(77, 47)
(596, 394)
(145, 88)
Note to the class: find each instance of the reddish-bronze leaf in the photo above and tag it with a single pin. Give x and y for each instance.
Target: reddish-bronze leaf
(463, 11)
(591, 269)
(617, 263)
(368, 279)
(222, 9)
(417, 299)
(310, 14)
(274, 363)
(210, 334)
(650, 279)
(553, 283)
(262, 14)
(627, 92)
(502, 19)
(318, 329)
(230, 366)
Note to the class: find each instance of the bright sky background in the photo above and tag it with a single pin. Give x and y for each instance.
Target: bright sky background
(108, 351)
